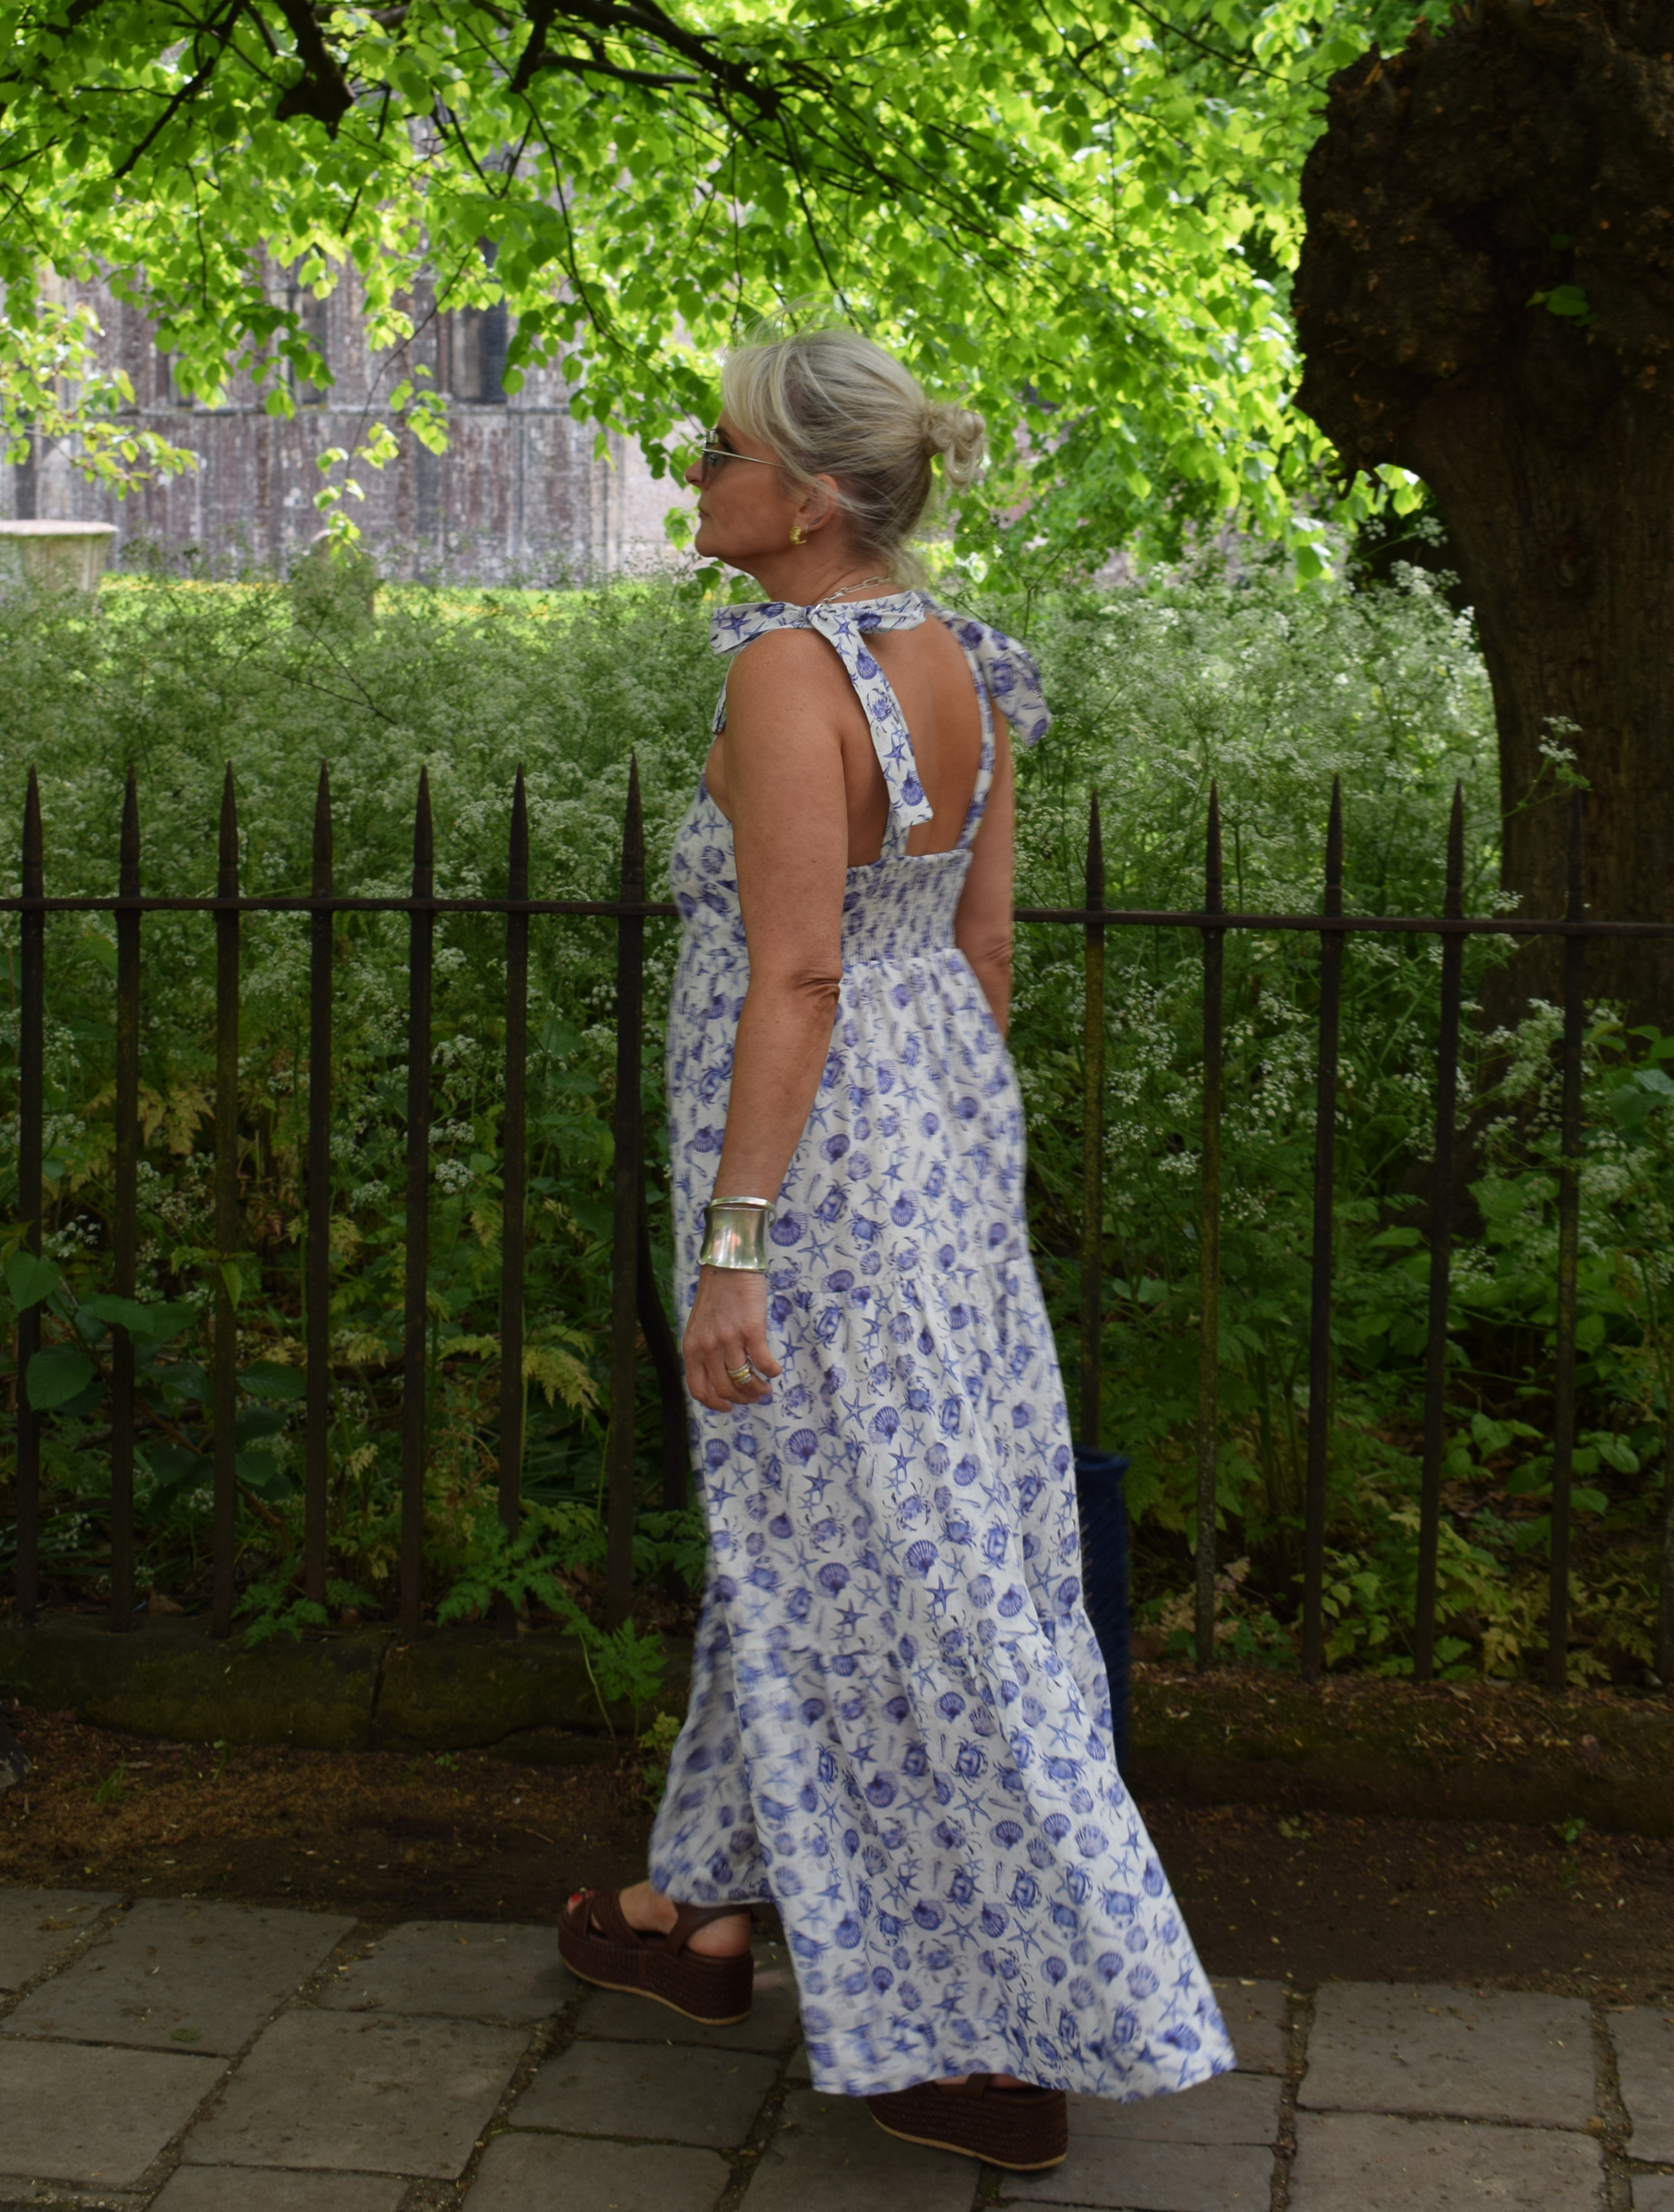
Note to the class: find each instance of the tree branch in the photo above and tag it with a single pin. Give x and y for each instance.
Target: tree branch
(320, 91)
(215, 29)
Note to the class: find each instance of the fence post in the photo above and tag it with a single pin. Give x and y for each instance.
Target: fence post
(1209, 1233)
(1441, 1251)
(317, 1299)
(1325, 1171)
(124, 1224)
(31, 1084)
(224, 1386)
(1665, 1660)
(514, 1177)
(666, 1359)
(1092, 1139)
(1569, 1255)
(625, 1251)
(420, 963)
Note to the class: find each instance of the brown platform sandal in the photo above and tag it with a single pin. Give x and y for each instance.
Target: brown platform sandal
(1024, 2130)
(597, 1944)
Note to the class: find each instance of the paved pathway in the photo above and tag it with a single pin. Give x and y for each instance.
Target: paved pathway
(205, 2057)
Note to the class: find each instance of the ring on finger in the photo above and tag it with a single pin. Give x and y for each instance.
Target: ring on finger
(742, 1375)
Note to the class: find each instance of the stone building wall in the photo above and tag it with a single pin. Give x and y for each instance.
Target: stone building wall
(518, 496)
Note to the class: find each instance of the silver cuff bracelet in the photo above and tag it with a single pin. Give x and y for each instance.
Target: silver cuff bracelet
(736, 1234)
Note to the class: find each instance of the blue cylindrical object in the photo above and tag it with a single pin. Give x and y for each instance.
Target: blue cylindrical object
(1103, 1512)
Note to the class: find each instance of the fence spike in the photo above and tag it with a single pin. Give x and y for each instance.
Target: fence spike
(1209, 1233)
(225, 1364)
(317, 1302)
(421, 969)
(514, 1179)
(625, 1194)
(1569, 1258)
(1325, 1174)
(658, 1333)
(124, 1221)
(1441, 1251)
(31, 1127)
(1092, 1138)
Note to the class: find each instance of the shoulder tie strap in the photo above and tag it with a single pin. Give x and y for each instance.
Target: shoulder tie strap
(1007, 670)
(846, 628)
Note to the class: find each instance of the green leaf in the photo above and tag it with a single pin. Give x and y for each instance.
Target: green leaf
(28, 1280)
(266, 1378)
(1569, 301)
(258, 1471)
(152, 1324)
(56, 1375)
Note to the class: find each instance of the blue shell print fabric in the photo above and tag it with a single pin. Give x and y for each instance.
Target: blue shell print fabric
(899, 1726)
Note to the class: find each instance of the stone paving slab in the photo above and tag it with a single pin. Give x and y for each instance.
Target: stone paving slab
(615, 2017)
(367, 2093)
(520, 2173)
(1644, 2040)
(1504, 2056)
(1654, 2192)
(38, 1925)
(173, 1973)
(1367, 2162)
(469, 1968)
(830, 2155)
(248, 2189)
(1234, 2108)
(1140, 2176)
(69, 2113)
(676, 2095)
(1257, 2018)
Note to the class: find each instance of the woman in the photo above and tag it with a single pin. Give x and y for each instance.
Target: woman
(900, 1727)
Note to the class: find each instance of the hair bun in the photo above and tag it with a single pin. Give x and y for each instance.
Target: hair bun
(961, 436)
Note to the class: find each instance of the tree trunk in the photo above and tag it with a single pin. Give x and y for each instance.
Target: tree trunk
(1486, 298)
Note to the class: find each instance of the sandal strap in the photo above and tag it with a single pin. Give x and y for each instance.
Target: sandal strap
(600, 1913)
(603, 1908)
(688, 1919)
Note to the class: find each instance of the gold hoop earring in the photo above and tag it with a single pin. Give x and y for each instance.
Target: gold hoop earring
(798, 535)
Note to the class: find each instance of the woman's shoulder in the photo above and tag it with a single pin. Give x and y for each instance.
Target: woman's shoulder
(797, 657)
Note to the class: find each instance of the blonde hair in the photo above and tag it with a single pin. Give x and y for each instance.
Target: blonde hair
(829, 401)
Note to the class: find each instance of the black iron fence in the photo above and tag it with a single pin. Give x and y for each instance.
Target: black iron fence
(637, 1308)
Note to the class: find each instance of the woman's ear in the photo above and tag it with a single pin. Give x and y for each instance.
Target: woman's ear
(819, 502)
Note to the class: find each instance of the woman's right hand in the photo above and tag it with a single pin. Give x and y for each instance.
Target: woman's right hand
(728, 1329)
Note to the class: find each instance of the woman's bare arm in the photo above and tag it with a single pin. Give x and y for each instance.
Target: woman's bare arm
(983, 926)
(783, 771)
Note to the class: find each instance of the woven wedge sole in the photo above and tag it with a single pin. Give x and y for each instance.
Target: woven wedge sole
(637, 1989)
(596, 1942)
(1022, 2130)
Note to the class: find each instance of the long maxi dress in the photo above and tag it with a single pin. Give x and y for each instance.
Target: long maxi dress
(900, 1725)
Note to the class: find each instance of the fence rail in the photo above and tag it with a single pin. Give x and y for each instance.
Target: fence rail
(637, 1308)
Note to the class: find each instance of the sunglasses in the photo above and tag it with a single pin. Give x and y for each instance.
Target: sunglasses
(716, 451)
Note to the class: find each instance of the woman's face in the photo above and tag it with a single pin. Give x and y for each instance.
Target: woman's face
(745, 512)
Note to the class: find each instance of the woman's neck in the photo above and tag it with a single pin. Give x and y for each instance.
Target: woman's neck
(806, 575)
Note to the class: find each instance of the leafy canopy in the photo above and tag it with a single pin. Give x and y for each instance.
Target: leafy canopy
(1084, 217)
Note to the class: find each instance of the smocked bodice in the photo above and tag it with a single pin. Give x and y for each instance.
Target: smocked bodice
(898, 910)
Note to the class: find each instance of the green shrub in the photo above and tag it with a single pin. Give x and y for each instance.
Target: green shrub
(1241, 681)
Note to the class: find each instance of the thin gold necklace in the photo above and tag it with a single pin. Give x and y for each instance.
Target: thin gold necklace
(845, 587)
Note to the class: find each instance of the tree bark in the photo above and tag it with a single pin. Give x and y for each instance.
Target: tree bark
(1486, 297)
